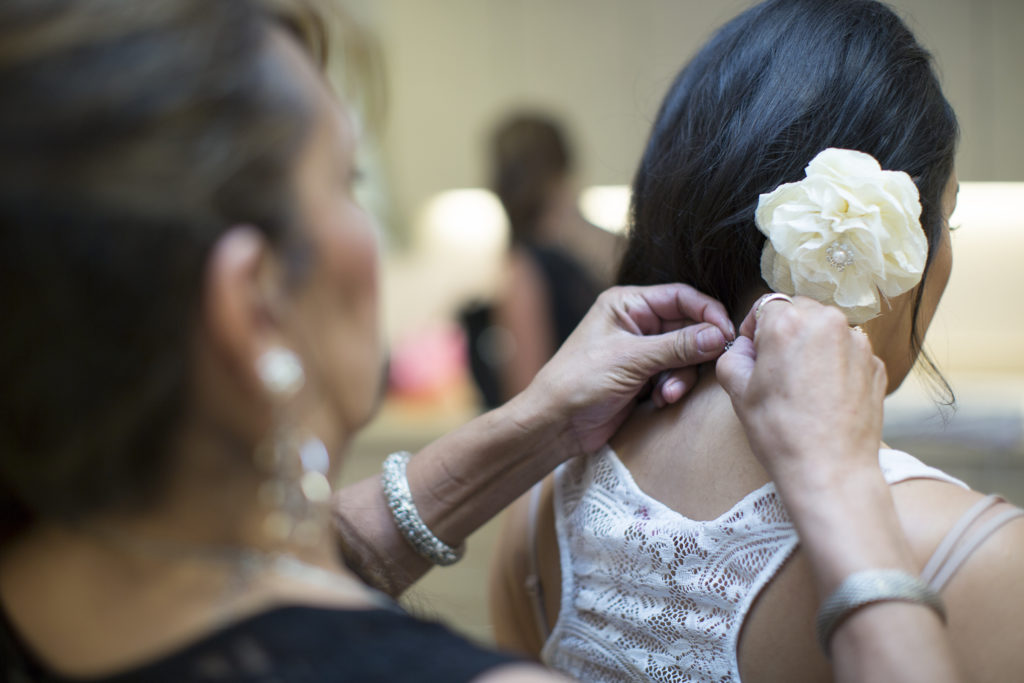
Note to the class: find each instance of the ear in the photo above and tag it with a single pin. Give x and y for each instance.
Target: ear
(242, 289)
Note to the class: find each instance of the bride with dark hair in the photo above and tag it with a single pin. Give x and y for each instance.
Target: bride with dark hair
(806, 149)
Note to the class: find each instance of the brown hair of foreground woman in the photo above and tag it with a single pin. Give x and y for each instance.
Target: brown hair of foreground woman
(133, 137)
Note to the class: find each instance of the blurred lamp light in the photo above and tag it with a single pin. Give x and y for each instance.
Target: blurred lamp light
(470, 219)
(606, 206)
(978, 326)
(993, 206)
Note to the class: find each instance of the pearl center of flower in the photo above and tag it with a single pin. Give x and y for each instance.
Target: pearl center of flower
(839, 255)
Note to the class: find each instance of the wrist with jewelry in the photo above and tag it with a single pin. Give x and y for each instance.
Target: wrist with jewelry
(407, 518)
(869, 587)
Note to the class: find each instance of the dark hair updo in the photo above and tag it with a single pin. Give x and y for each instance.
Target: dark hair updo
(132, 136)
(773, 88)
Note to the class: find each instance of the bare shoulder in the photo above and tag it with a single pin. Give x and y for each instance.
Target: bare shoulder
(510, 605)
(518, 611)
(521, 270)
(522, 288)
(983, 597)
(928, 509)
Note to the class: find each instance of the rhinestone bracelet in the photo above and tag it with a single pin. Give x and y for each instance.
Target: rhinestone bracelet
(407, 517)
(868, 587)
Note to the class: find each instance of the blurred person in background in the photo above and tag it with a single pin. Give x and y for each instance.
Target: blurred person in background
(190, 344)
(557, 261)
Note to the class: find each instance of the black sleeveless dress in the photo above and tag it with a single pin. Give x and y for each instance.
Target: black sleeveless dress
(293, 645)
(570, 292)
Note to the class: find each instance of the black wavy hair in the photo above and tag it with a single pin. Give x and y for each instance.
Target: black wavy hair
(774, 87)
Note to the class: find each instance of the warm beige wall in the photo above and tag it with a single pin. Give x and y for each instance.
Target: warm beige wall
(455, 65)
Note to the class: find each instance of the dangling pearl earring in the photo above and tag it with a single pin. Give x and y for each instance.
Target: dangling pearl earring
(297, 485)
(281, 372)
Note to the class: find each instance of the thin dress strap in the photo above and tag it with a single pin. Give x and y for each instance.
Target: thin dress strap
(953, 536)
(957, 546)
(534, 588)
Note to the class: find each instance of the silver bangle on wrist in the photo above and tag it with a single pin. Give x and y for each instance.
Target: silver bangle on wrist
(868, 587)
(407, 517)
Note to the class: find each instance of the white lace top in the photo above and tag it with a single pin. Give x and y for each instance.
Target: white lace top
(650, 595)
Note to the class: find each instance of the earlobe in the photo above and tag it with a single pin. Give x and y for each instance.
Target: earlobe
(236, 301)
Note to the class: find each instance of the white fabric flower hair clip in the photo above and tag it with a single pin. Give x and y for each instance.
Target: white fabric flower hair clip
(848, 234)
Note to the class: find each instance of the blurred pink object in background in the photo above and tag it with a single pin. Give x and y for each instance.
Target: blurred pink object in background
(429, 364)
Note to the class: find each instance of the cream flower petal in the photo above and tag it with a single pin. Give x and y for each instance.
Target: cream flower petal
(843, 165)
(849, 234)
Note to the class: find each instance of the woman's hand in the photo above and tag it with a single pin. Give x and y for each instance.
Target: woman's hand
(573, 406)
(808, 390)
(633, 340)
(809, 393)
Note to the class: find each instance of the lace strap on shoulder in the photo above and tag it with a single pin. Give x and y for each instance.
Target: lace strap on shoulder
(957, 546)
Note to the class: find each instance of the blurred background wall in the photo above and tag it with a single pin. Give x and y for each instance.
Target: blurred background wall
(452, 68)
